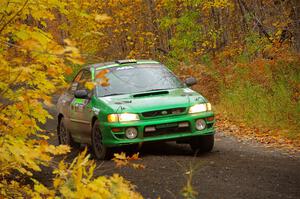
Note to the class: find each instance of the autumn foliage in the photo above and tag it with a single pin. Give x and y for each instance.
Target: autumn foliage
(33, 65)
(244, 52)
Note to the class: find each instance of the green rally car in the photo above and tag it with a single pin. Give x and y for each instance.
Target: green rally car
(142, 101)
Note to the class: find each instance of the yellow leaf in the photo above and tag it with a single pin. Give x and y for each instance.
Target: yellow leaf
(138, 166)
(89, 85)
(75, 60)
(57, 182)
(102, 17)
(48, 103)
(121, 156)
(68, 42)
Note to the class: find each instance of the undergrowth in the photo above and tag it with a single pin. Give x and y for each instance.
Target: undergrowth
(263, 90)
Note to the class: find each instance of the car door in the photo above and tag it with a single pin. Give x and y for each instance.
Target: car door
(66, 99)
(81, 111)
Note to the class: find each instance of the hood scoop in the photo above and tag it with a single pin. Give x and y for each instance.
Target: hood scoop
(151, 93)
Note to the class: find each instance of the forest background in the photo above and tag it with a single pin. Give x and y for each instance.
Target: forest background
(245, 54)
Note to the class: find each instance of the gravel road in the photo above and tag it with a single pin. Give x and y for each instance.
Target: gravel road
(232, 170)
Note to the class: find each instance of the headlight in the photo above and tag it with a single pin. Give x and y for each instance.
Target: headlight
(123, 117)
(197, 108)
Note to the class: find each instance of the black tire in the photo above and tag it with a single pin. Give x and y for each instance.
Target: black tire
(202, 144)
(133, 148)
(100, 151)
(64, 135)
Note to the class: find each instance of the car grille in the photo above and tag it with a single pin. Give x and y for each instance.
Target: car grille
(172, 111)
(167, 130)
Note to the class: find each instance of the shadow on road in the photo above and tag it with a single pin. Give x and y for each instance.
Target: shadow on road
(151, 149)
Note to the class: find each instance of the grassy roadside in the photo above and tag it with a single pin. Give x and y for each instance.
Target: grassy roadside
(255, 94)
(270, 102)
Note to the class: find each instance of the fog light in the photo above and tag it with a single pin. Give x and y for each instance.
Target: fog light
(200, 124)
(131, 133)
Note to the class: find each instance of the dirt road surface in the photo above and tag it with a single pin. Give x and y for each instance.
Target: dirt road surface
(232, 170)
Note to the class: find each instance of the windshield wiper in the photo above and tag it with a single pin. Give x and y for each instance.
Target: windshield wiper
(112, 94)
(157, 89)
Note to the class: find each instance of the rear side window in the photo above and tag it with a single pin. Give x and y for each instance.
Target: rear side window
(75, 82)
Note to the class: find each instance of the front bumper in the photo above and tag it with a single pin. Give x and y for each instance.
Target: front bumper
(111, 138)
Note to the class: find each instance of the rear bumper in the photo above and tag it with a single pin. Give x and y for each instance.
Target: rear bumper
(116, 139)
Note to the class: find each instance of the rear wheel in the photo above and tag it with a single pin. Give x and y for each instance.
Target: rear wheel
(99, 150)
(63, 133)
(202, 144)
(64, 136)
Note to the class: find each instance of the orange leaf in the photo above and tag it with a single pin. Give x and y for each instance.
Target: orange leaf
(105, 84)
(102, 73)
(27, 122)
(69, 70)
(134, 157)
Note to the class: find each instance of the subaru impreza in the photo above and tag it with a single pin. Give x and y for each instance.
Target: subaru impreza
(131, 102)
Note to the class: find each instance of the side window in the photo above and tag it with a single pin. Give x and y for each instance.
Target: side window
(75, 82)
(86, 77)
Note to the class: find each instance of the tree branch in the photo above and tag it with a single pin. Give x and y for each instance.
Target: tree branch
(259, 24)
(13, 17)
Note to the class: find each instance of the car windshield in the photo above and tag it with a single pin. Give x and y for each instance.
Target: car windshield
(136, 79)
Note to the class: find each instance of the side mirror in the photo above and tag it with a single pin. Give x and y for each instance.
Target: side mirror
(190, 81)
(82, 94)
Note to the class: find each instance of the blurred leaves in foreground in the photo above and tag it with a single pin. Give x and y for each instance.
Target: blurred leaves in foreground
(33, 66)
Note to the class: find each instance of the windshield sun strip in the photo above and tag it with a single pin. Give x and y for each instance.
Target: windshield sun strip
(129, 64)
(108, 66)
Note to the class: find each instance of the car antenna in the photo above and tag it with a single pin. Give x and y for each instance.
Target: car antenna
(120, 107)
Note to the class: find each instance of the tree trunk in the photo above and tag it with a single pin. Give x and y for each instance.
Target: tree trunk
(296, 23)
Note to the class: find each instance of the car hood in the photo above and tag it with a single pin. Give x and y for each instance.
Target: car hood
(153, 100)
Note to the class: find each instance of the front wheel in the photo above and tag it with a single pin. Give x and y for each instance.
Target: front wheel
(99, 150)
(202, 144)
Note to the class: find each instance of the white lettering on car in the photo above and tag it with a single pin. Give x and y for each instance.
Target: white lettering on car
(125, 68)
